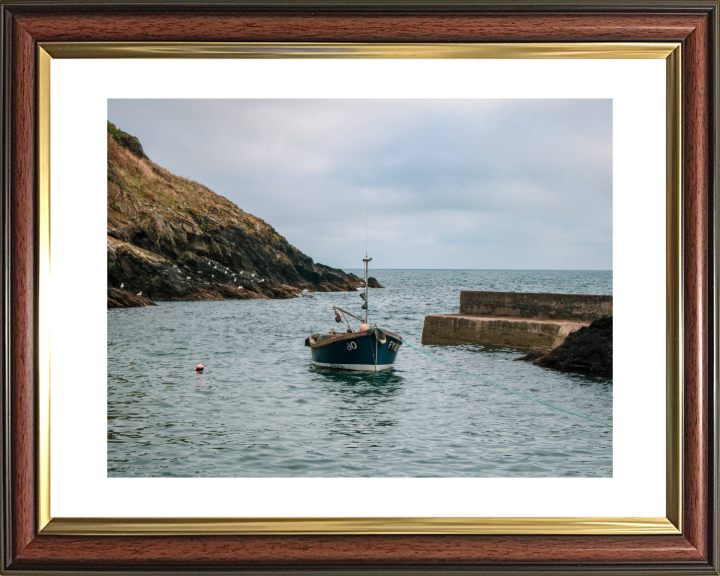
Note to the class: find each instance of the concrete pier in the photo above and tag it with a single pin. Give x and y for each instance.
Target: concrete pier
(515, 319)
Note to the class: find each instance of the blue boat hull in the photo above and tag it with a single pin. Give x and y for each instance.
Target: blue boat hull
(361, 352)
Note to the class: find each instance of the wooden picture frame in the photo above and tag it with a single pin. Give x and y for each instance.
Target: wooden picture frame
(30, 545)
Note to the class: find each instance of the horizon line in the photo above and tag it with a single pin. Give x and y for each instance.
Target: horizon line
(492, 269)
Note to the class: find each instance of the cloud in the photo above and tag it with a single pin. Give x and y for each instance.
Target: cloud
(453, 183)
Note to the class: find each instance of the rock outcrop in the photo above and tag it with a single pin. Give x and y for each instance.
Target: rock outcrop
(119, 298)
(171, 238)
(589, 349)
(534, 354)
(372, 283)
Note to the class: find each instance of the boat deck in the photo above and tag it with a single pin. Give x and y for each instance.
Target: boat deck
(332, 338)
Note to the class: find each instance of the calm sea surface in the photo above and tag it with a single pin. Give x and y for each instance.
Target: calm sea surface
(262, 409)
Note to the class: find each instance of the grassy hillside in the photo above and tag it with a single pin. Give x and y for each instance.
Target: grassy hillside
(171, 238)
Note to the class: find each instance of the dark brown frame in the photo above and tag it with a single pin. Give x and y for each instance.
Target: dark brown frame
(25, 23)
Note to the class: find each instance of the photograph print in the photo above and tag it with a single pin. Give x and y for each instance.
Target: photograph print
(337, 288)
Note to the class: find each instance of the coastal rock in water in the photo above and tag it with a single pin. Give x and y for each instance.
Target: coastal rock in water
(372, 283)
(174, 239)
(534, 354)
(589, 349)
(119, 298)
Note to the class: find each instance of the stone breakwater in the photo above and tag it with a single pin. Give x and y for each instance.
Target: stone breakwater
(585, 307)
(515, 319)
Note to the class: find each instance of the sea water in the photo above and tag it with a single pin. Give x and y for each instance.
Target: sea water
(261, 409)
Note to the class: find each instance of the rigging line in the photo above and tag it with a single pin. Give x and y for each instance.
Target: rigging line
(501, 387)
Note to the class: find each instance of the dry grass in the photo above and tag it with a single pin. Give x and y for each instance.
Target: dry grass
(157, 189)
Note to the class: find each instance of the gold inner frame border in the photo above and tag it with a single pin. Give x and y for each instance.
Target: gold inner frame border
(671, 524)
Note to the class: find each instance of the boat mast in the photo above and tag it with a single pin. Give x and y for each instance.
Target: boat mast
(366, 260)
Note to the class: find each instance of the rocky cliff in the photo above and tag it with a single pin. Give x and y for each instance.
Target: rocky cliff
(170, 238)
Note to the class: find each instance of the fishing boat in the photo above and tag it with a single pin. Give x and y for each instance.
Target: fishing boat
(369, 349)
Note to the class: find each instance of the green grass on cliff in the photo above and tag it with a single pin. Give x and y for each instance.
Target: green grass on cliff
(114, 132)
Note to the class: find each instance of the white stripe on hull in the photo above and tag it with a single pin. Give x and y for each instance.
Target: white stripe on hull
(356, 367)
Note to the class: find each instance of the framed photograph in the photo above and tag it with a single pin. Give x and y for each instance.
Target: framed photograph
(267, 270)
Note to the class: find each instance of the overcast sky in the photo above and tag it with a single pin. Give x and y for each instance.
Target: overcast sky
(498, 184)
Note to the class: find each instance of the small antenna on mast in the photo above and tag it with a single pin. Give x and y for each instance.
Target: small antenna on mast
(365, 232)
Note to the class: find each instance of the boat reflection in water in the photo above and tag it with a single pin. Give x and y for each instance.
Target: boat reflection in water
(363, 407)
(350, 384)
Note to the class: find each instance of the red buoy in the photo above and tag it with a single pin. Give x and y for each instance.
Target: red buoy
(199, 368)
